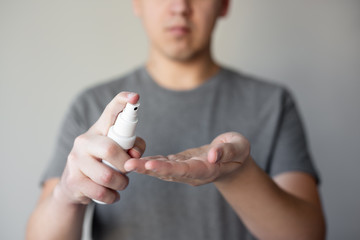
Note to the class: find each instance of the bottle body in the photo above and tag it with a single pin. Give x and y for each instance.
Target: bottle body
(125, 143)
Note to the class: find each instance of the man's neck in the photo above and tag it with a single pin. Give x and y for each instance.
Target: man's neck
(181, 75)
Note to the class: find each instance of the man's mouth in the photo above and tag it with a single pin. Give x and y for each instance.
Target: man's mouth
(178, 30)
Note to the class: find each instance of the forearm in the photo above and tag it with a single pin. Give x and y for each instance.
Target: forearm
(267, 210)
(54, 218)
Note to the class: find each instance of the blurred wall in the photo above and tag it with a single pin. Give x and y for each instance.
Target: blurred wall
(51, 50)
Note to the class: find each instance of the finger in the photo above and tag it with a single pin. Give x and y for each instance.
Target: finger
(103, 175)
(226, 152)
(193, 169)
(214, 155)
(138, 149)
(231, 147)
(112, 110)
(135, 164)
(223, 152)
(95, 191)
(104, 148)
(138, 164)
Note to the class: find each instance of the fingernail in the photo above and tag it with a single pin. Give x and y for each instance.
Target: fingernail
(218, 156)
(130, 95)
(137, 150)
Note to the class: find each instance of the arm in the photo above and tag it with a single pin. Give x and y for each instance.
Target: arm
(60, 211)
(286, 207)
(55, 217)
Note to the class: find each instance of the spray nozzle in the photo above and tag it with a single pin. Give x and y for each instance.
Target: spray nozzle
(130, 112)
(126, 121)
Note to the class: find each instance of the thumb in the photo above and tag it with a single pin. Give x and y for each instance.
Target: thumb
(112, 110)
(224, 152)
(233, 149)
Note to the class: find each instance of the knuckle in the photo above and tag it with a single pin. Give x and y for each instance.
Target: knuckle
(80, 140)
(110, 150)
(72, 157)
(107, 176)
(101, 194)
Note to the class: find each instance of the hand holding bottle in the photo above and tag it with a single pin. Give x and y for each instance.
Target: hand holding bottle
(85, 176)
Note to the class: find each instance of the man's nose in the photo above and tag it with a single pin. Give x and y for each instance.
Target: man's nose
(180, 7)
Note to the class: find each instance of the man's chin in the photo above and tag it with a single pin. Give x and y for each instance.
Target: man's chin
(182, 56)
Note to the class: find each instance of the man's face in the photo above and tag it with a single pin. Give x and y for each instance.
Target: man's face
(180, 29)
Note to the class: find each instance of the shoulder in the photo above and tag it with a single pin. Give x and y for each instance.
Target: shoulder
(254, 90)
(251, 83)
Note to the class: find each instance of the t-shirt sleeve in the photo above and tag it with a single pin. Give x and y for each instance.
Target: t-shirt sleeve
(72, 125)
(291, 152)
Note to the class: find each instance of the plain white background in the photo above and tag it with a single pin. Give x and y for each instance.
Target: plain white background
(51, 50)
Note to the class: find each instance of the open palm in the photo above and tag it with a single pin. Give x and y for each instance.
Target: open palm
(196, 166)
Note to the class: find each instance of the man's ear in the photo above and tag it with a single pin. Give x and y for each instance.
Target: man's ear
(224, 7)
(136, 7)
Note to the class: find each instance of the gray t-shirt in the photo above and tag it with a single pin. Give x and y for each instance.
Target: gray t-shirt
(172, 121)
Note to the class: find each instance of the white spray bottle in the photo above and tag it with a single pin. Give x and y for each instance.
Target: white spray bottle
(123, 131)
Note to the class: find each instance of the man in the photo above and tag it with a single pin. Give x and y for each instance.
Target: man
(220, 190)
